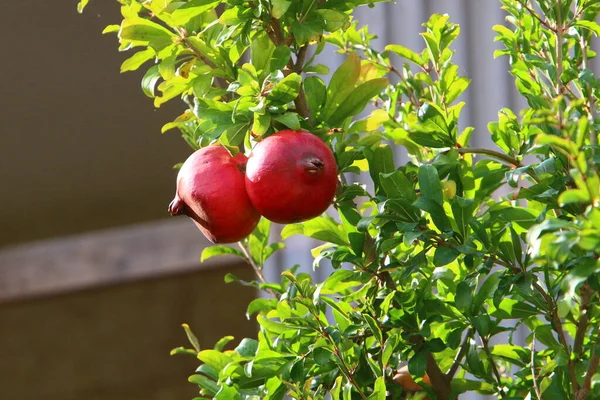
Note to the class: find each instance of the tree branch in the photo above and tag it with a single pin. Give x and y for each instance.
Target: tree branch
(582, 393)
(339, 356)
(257, 269)
(439, 381)
(300, 101)
(585, 293)
(486, 349)
(553, 314)
(491, 153)
(535, 385)
(535, 15)
(461, 354)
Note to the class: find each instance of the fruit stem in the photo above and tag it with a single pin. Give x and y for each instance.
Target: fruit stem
(257, 269)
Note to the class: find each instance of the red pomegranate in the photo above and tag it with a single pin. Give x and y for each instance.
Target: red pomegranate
(211, 191)
(291, 176)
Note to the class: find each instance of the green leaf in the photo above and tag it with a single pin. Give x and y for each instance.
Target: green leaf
(247, 348)
(260, 305)
(291, 230)
(307, 31)
(334, 20)
(357, 100)
(316, 94)
(142, 32)
(590, 25)
(381, 161)
(374, 327)
(486, 291)
(324, 229)
(192, 9)
(342, 84)
(511, 308)
(191, 337)
(379, 390)
(262, 123)
(444, 256)
(545, 335)
(259, 240)
(435, 209)
(214, 358)
(166, 68)
(182, 350)
(214, 251)
(417, 365)
(149, 81)
(263, 53)
(287, 89)
(462, 210)
(573, 196)
(280, 58)
(111, 29)
(205, 383)
(397, 185)
(81, 5)
(227, 393)
(429, 182)
(280, 7)
(405, 53)
(389, 348)
(514, 354)
(464, 295)
(289, 119)
(139, 58)
(224, 341)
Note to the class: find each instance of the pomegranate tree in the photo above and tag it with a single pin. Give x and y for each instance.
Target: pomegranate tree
(441, 255)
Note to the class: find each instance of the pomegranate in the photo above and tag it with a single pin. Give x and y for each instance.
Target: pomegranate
(211, 191)
(291, 176)
(405, 379)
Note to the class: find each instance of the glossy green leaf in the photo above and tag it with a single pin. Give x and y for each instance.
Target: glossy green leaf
(287, 89)
(342, 84)
(149, 81)
(192, 9)
(429, 183)
(357, 100)
(219, 250)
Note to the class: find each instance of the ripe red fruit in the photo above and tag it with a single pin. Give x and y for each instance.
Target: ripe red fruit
(405, 379)
(211, 191)
(291, 176)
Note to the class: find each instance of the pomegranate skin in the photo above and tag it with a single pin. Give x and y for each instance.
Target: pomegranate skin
(211, 191)
(291, 176)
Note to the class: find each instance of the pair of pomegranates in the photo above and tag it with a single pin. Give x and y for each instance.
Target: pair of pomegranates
(291, 176)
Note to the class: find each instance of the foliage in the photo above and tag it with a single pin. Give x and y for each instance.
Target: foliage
(439, 257)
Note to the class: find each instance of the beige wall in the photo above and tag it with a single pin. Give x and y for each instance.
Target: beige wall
(81, 150)
(80, 144)
(113, 343)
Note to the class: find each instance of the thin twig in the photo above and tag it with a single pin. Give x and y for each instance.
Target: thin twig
(535, 385)
(300, 100)
(257, 269)
(559, 58)
(585, 293)
(337, 353)
(487, 351)
(535, 15)
(582, 393)
(553, 314)
(461, 354)
(491, 153)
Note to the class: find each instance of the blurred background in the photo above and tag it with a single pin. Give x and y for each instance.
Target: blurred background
(95, 278)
